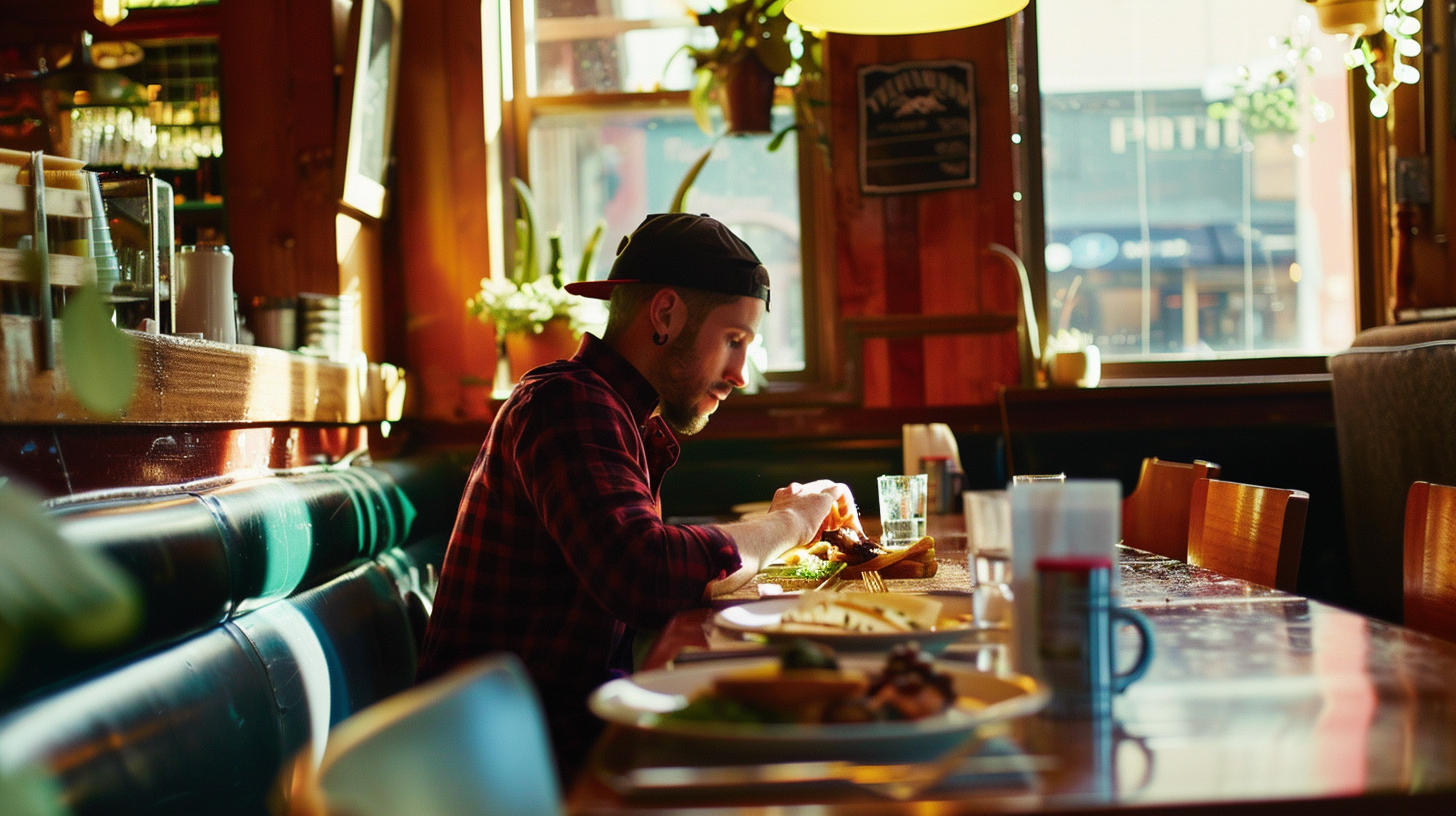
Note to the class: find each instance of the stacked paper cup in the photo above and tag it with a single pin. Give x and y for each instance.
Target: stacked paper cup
(107, 270)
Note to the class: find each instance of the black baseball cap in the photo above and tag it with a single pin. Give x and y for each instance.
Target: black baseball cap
(682, 249)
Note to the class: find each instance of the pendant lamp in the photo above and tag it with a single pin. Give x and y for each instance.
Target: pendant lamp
(897, 16)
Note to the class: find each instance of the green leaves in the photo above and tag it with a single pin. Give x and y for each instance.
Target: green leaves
(76, 596)
(587, 254)
(778, 139)
(698, 98)
(527, 267)
(100, 360)
(679, 198)
(771, 44)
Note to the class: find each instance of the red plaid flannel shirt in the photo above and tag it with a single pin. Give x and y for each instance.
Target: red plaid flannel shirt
(559, 547)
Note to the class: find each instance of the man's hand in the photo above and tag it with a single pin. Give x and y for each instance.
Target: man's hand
(838, 511)
(798, 514)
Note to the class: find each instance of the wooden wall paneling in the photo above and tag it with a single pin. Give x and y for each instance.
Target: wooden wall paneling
(902, 286)
(279, 91)
(858, 220)
(939, 235)
(1424, 129)
(441, 202)
(361, 271)
(1374, 216)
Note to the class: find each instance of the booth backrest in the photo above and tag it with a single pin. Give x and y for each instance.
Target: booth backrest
(273, 608)
(1395, 414)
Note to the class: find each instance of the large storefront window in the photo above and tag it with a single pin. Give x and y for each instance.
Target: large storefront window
(1197, 178)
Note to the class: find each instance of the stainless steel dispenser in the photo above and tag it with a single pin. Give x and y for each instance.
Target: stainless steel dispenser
(139, 213)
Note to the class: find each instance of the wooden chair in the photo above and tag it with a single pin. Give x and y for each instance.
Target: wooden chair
(1248, 532)
(1155, 514)
(1430, 559)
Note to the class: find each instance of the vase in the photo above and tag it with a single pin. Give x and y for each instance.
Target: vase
(1077, 368)
(748, 97)
(528, 350)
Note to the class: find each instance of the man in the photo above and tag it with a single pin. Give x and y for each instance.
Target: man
(560, 551)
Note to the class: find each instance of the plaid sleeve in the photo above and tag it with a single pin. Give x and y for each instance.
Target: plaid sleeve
(581, 460)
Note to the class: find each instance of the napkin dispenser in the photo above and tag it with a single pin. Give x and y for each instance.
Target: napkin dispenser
(1053, 519)
(139, 213)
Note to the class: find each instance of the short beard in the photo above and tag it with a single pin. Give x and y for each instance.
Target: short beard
(680, 410)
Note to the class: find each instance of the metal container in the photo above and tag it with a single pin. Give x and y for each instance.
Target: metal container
(940, 488)
(204, 301)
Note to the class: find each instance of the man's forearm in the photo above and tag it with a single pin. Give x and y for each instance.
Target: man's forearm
(759, 541)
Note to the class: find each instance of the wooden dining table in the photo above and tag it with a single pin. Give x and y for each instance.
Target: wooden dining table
(1257, 700)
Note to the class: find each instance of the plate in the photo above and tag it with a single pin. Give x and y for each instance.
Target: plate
(640, 701)
(761, 619)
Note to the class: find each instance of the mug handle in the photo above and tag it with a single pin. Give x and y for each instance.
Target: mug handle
(1145, 655)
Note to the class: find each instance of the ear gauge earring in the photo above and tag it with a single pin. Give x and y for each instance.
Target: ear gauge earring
(659, 339)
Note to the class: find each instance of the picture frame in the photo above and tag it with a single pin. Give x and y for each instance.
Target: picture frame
(367, 105)
(917, 127)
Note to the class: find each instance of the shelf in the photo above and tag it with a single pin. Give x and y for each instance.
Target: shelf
(195, 382)
(197, 206)
(59, 203)
(66, 270)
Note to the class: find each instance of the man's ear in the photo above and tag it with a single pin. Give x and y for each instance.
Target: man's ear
(666, 311)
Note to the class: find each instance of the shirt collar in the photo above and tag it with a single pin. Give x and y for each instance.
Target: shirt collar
(624, 377)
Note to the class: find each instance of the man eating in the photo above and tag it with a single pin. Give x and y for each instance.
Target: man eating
(560, 552)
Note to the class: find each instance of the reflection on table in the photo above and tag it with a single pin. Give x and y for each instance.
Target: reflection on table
(1254, 696)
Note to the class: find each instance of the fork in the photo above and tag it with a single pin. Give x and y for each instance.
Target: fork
(873, 582)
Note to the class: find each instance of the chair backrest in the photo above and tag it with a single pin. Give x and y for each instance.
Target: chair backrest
(1155, 514)
(1247, 532)
(1430, 559)
(471, 742)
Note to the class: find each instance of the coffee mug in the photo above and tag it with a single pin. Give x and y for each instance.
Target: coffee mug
(1076, 639)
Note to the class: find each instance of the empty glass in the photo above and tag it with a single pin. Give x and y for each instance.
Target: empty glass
(902, 509)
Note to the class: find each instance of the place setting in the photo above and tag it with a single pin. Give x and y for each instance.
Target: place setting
(885, 693)
(805, 718)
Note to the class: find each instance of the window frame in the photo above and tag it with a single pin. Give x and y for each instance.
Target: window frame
(822, 378)
(1373, 262)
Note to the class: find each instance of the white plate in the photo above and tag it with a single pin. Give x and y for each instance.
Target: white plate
(763, 618)
(640, 701)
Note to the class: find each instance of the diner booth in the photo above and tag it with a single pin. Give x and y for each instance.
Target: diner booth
(1172, 275)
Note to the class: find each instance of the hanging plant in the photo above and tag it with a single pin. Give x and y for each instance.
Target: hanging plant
(757, 48)
(1274, 103)
(1400, 28)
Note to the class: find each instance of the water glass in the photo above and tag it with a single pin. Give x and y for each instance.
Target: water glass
(902, 509)
(988, 546)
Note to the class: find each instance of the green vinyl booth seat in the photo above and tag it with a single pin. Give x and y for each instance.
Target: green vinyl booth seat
(273, 608)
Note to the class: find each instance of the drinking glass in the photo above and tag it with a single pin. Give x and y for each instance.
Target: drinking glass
(902, 509)
(988, 546)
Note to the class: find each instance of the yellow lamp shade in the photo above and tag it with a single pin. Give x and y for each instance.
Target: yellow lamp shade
(897, 16)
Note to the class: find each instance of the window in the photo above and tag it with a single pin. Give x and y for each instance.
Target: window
(604, 129)
(1196, 178)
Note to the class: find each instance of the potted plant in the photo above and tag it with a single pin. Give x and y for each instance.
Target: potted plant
(1072, 360)
(757, 45)
(536, 321)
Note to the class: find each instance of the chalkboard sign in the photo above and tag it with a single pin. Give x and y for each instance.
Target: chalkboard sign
(917, 123)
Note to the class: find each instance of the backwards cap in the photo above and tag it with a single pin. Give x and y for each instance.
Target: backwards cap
(681, 249)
